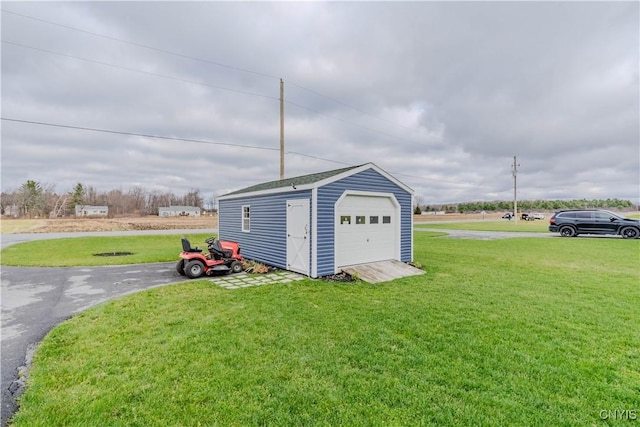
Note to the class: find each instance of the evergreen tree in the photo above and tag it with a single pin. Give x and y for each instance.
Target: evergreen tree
(30, 199)
(78, 195)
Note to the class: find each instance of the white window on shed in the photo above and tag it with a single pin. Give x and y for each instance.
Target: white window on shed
(246, 218)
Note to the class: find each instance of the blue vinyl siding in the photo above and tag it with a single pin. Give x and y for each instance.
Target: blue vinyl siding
(328, 195)
(267, 242)
(267, 239)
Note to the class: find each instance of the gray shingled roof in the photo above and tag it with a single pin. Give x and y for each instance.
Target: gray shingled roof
(288, 182)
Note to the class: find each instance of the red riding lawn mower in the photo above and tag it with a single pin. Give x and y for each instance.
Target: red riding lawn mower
(223, 256)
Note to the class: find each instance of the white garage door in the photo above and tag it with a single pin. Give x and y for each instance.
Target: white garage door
(367, 229)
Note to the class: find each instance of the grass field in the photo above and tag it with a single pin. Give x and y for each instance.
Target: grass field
(19, 225)
(499, 225)
(81, 251)
(149, 222)
(505, 332)
(528, 226)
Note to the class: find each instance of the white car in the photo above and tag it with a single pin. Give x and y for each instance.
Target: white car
(536, 216)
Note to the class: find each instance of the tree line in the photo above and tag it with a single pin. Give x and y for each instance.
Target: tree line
(34, 199)
(527, 205)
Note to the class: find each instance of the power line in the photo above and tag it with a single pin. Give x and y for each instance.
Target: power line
(337, 101)
(201, 84)
(219, 64)
(110, 131)
(431, 179)
(310, 156)
(200, 141)
(393, 173)
(136, 70)
(348, 122)
(116, 132)
(168, 52)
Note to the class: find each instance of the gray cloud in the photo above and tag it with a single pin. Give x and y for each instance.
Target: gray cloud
(441, 94)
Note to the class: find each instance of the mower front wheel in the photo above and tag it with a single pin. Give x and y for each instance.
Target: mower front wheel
(180, 267)
(194, 269)
(236, 267)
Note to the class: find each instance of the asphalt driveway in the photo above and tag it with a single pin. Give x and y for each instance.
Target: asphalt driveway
(34, 300)
(485, 235)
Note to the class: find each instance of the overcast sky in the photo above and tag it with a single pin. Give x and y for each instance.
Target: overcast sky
(441, 95)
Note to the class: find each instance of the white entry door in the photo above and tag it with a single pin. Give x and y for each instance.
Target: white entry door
(298, 235)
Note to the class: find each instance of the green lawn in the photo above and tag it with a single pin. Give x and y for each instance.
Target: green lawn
(515, 332)
(501, 225)
(80, 251)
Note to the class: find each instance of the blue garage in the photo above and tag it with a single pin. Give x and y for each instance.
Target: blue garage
(317, 224)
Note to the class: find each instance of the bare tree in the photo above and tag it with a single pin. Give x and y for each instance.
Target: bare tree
(153, 203)
(91, 196)
(193, 198)
(117, 202)
(7, 203)
(136, 200)
(210, 204)
(59, 206)
(418, 207)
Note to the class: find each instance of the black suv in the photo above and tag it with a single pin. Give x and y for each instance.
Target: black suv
(583, 221)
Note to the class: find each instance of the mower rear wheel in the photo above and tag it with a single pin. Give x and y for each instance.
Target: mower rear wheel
(236, 267)
(180, 267)
(194, 269)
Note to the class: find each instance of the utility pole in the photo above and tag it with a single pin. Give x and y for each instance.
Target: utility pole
(281, 129)
(515, 189)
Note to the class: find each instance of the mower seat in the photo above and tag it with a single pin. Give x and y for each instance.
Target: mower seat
(186, 246)
(216, 249)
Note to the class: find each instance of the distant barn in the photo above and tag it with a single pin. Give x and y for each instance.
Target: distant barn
(93, 211)
(179, 211)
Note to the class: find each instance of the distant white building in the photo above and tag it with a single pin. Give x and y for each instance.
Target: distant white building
(87, 210)
(11, 210)
(179, 211)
